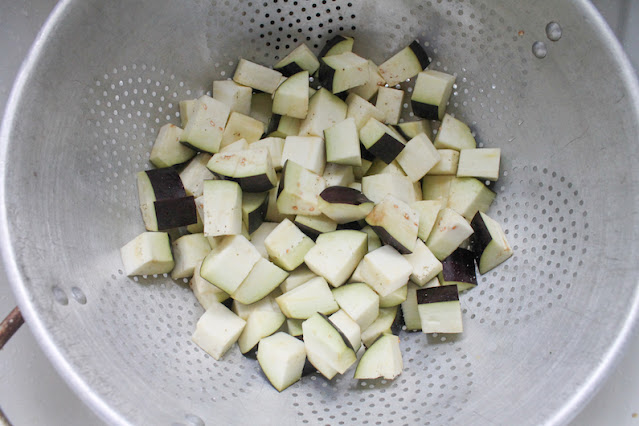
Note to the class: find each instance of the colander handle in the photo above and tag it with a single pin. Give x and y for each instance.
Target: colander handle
(10, 325)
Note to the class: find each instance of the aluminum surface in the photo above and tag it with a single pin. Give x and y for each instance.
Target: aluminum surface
(540, 332)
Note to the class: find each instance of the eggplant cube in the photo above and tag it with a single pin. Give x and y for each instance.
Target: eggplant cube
(336, 255)
(326, 342)
(394, 299)
(410, 129)
(222, 208)
(450, 230)
(405, 64)
(437, 188)
(298, 190)
(382, 359)
(195, 173)
(205, 292)
(260, 234)
(348, 327)
(282, 358)
(489, 243)
(342, 143)
(338, 175)
(381, 325)
(459, 269)
(468, 196)
(307, 151)
(238, 145)
(217, 330)
(189, 250)
(294, 327)
(263, 279)
(481, 163)
(205, 127)
(281, 126)
(431, 93)
(187, 108)
(344, 204)
(147, 254)
(259, 324)
(418, 157)
(447, 165)
(336, 45)
(427, 211)
(167, 150)
(390, 102)
(262, 107)
(372, 85)
(439, 309)
(454, 134)
(236, 96)
(257, 76)
(409, 309)
(275, 147)
(359, 301)
(300, 59)
(229, 263)
(360, 110)
(254, 206)
(385, 270)
(381, 141)
(343, 71)
(163, 200)
(425, 265)
(377, 187)
(287, 245)
(395, 223)
(309, 298)
(324, 110)
(242, 126)
(300, 275)
(314, 226)
(291, 97)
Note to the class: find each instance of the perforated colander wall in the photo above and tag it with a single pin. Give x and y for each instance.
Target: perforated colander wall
(515, 321)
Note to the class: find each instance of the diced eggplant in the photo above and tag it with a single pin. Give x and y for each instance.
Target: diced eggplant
(272, 212)
(167, 150)
(275, 147)
(373, 239)
(454, 134)
(261, 107)
(260, 324)
(489, 243)
(439, 309)
(281, 126)
(307, 151)
(298, 190)
(313, 226)
(187, 108)
(395, 223)
(410, 129)
(228, 264)
(294, 327)
(336, 45)
(338, 175)
(296, 278)
(450, 230)
(360, 110)
(343, 71)
(260, 234)
(325, 341)
(394, 299)
(217, 330)
(282, 359)
(254, 206)
(360, 171)
(287, 245)
(267, 304)
(309, 298)
(257, 76)
(336, 255)
(344, 204)
(188, 251)
(291, 97)
(418, 157)
(379, 167)
(163, 200)
(238, 145)
(324, 110)
(431, 93)
(359, 301)
(405, 64)
(348, 327)
(377, 187)
(381, 140)
(459, 269)
(252, 169)
(372, 85)
(381, 325)
(382, 359)
(205, 292)
(385, 270)
(437, 188)
(147, 254)
(195, 173)
(206, 125)
(241, 126)
(390, 102)
(237, 97)
(300, 59)
(409, 309)
(222, 208)
(481, 163)
(351, 226)
(427, 211)
(468, 196)
(263, 279)
(342, 143)
(425, 265)
(447, 165)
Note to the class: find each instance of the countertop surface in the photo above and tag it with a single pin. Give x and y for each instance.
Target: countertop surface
(32, 393)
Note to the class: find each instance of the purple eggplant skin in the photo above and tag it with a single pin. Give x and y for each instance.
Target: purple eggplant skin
(257, 183)
(308, 231)
(166, 183)
(329, 44)
(256, 217)
(344, 195)
(252, 353)
(355, 226)
(427, 111)
(388, 239)
(398, 323)
(273, 123)
(342, 335)
(289, 69)
(280, 187)
(326, 75)
(480, 238)
(387, 148)
(460, 267)
(365, 153)
(444, 293)
(175, 212)
(420, 54)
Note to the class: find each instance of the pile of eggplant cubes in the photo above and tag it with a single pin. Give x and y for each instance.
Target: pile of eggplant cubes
(313, 224)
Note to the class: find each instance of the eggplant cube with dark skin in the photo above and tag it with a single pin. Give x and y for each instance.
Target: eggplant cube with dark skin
(418, 157)
(348, 327)
(298, 190)
(324, 110)
(308, 299)
(385, 270)
(314, 226)
(237, 97)
(405, 64)
(381, 140)
(167, 150)
(323, 339)
(459, 269)
(382, 359)
(287, 245)
(489, 243)
(281, 126)
(344, 204)
(454, 134)
(300, 59)
(482, 163)
(336, 45)
(431, 93)
(257, 76)
(339, 73)
(281, 358)
(254, 206)
(147, 254)
(205, 127)
(439, 309)
(468, 196)
(450, 230)
(291, 97)
(395, 223)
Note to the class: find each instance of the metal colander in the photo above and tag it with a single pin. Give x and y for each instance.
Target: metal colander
(541, 331)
